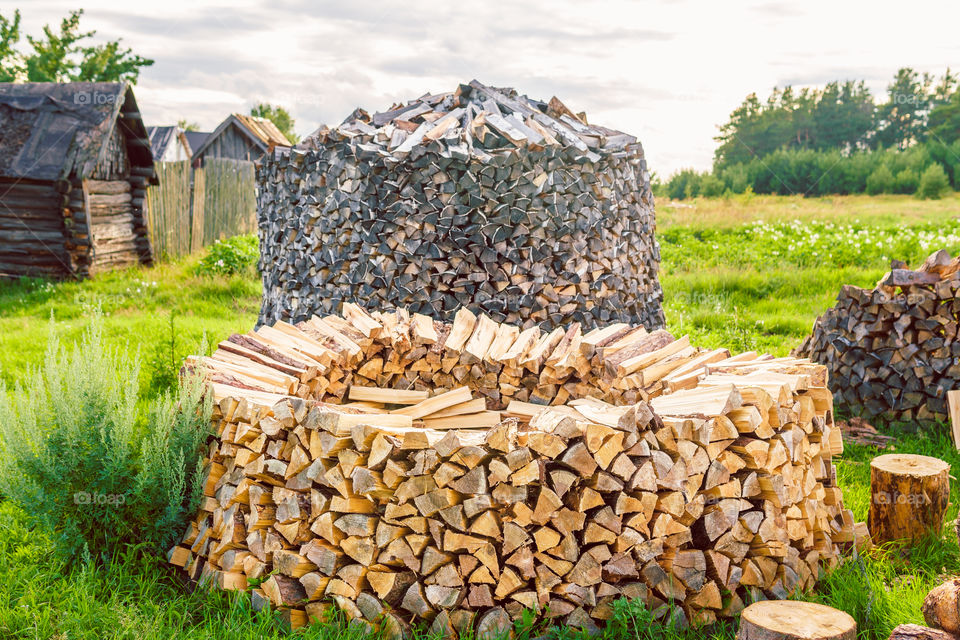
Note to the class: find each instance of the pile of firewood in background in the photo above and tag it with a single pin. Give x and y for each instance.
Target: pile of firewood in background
(395, 466)
(478, 198)
(892, 351)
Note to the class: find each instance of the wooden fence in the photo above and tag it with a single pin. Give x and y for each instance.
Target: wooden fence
(185, 215)
(168, 210)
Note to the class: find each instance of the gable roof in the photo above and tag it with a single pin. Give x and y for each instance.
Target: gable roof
(49, 130)
(196, 139)
(262, 132)
(162, 137)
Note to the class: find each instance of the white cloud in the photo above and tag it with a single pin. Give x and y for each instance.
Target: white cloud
(668, 72)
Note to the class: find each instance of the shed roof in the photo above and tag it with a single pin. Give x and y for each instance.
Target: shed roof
(196, 139)
(262, 132)
(161, 138)
(49, 131)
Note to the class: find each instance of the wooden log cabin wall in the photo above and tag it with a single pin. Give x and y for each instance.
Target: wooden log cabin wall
(383, 462)
(74, 169)
(478, 198)
(892, 351)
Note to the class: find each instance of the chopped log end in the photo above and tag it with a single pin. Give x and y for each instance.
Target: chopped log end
(795, 620)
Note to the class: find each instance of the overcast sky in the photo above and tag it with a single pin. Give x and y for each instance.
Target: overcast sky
(667, 72)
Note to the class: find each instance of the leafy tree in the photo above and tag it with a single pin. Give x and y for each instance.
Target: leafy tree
(65, 55)
(10, 65)
(933, 183)
(906, 181)
(839, 116)
(944, 122)
(880, 181)
(278, 116)
(188, 126)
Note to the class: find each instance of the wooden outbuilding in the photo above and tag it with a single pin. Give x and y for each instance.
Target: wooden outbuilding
(75, 160)
(240, 137)
(169, 144)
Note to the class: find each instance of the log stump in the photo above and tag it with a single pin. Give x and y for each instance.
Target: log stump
(919, 632)
(909, 495)
(941, 607)
(792, 620)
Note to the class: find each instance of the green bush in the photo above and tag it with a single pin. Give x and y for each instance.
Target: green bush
(711, 186)
(89, 462)
(880, 181)
(227, 257)
(906, 181)
(934, 183)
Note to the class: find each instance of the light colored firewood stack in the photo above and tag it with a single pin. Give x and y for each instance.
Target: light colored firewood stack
(322, 358)
(892, 351)
(426, 503)
(479, 197)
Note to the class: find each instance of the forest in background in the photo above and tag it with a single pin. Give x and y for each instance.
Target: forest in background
(837, 139)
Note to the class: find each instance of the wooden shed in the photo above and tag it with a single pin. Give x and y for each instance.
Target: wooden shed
(75, 161)
(240, 137)
(169, 144)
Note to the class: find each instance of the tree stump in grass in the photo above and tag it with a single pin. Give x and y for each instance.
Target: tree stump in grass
(919, 632)
(792, 620)
(941, 607)
(909, 495)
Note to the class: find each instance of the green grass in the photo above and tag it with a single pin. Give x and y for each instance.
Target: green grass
(138, 307)
(723, 285)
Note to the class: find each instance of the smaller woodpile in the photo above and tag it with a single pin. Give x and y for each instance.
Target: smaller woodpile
(372, 461)
(892, 350)
(480, 198)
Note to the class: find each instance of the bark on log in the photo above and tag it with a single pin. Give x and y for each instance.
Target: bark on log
(941, 607)
(909, 496)
(919, 632)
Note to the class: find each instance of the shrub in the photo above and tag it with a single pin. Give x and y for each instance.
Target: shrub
(227, 257)
(87, 462)
(880, 181)
(906, 181)
(934, 182)
(684, 184)
(711, 186)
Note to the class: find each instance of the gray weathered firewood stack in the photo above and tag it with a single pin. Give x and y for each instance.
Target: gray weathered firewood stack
(480, 198)
(893, 351)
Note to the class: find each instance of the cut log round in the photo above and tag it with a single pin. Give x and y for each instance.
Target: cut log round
(909, 495)
(792, 620)
(919, 632)
(494, 624)
(941, 607)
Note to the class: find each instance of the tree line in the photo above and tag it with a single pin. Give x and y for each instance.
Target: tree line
(836, 140)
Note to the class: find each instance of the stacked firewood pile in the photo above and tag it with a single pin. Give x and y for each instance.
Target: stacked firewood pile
(478, 198)
(374, 461)
(892, 350)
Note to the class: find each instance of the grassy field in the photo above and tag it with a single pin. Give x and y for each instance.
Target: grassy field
(739, 272)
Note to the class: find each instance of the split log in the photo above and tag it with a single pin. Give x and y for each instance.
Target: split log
(909, 496)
